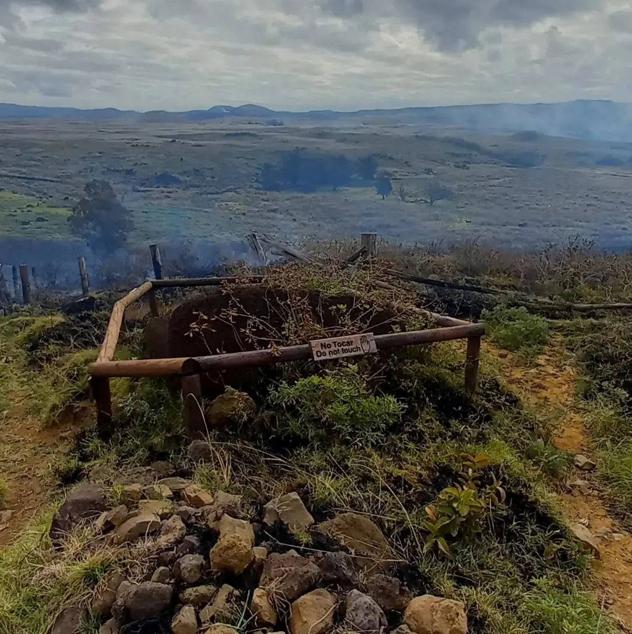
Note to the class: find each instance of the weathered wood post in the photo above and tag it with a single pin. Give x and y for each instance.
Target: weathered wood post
(194, 419)
(472, 360)
(83, 274)
(368, 242)
(100, 386)
(34, 282)
(16, 284)
(26, 284)
(156, 260)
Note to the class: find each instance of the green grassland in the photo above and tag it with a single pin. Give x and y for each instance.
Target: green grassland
(28, 217)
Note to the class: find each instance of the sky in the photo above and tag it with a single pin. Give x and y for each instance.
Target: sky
(301, 54)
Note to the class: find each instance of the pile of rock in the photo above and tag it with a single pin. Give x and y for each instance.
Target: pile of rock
(215, 571)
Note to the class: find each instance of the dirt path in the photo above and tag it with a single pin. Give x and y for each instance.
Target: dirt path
(27, 453)
(551, 383)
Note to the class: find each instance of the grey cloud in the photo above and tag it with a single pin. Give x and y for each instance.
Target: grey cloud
(64, 5)
(621, 21)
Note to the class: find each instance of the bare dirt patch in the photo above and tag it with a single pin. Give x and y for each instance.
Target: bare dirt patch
(550, 384)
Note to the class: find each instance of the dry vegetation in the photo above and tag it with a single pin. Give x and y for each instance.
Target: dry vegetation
(465, 488)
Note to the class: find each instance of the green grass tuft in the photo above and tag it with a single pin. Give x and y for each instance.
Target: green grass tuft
(518, 330)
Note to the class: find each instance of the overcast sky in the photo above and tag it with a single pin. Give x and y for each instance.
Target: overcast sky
(299, 54)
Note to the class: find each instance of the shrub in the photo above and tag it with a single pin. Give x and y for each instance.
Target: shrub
(518, 330)
(337, 403)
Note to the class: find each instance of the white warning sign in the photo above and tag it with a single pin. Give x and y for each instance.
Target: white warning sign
(340, 347)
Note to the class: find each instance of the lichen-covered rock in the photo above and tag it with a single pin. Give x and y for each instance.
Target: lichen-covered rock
(200, 451)
(220, 628)
(158, 492)
(85, 502)
(131, 494)
(196, 496)
(142, 525)
(233, 551)
(388, 592)
(230, 408)
(198, 596)
(362, 537)
(313, 613)
(363, 614)
(288, 575)
(224, 504)
(162, 508)
(435, 615)
(185, 621)
(290, 511)
(337, 568)
(262, 609)
(189, 569)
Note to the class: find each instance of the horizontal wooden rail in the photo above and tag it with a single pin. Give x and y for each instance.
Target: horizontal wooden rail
(204, 281)
(254, 358)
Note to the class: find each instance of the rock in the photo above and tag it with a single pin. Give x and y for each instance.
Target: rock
(363, 614)
(200, 451)
(402, 629)
(162, 468)
(131, 494)
(224, 504)
(584, 463)
(434, 615)
(198, 596)
(109, 520)
(69, 621)
(313, 613)
(388, 593)
(230, 408)
(196, 496)
(582, 486)
(110, 627)
(135, 527)
(262, 609)
(185, 621)
(158, 492)
(85, 502)
(233, 551)
(161, 575)
(105, 595)
(220, 628)
(189, 569)
(589, 541)
(361, 536)
(190, 545)
(288, 575)
(223, 607)
(161, 508)
(172, 532)
(144, 601)
(187, 514)
(289, 510)
(337, 568)
(175, 484)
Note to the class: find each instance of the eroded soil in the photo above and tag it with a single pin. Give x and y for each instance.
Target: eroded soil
(550, 385)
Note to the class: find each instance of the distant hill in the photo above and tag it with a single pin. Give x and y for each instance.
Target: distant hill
(606, 120)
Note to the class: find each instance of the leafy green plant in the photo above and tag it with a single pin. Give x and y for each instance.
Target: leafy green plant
(337, 403)
(548, 458)
(516, 329)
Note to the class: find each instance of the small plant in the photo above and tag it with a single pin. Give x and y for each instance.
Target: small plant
(518, 330)
(336, 405)
(549, 459)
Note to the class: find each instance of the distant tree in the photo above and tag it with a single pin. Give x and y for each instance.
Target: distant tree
(383, 185)
(367, 168)
(435, 191)
(101, 218)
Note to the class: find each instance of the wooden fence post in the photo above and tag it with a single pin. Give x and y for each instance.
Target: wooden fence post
(156, 260)
(368, 241)
(154, 306)
(4, 289)
(472, 359)
(102, 396)
(16, 284)
(194, 420)
(83, 274)
(26, 284)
